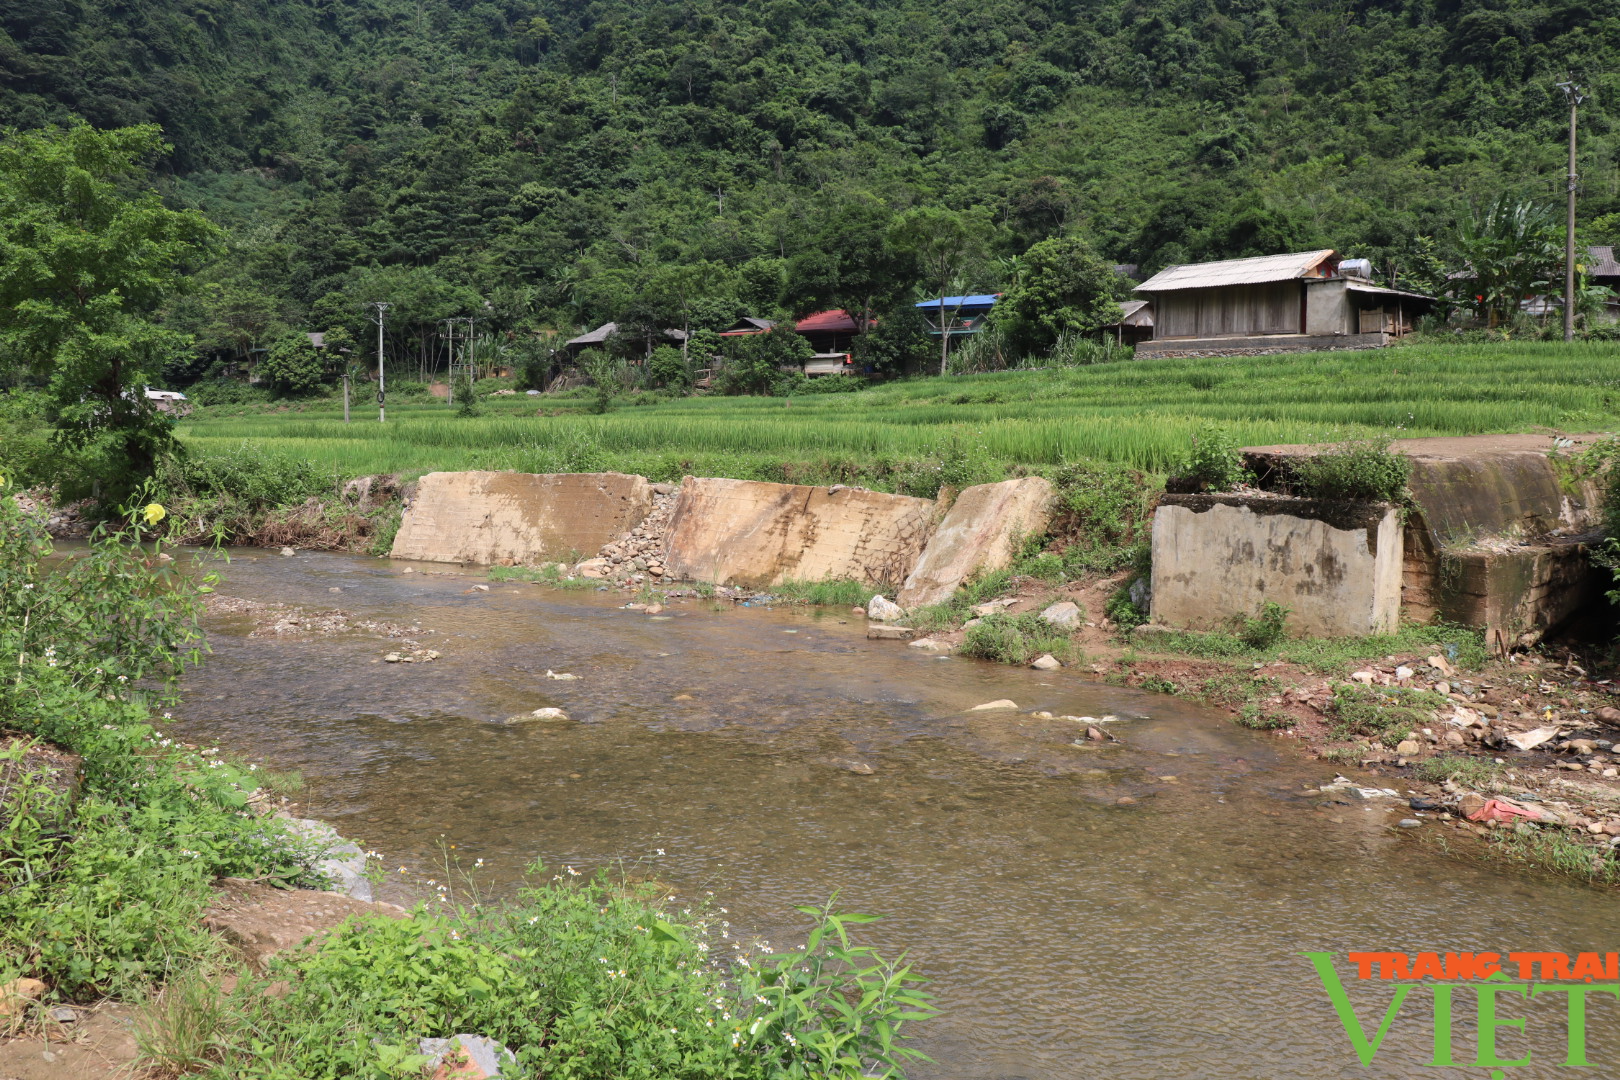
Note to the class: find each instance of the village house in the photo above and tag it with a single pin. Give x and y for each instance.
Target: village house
(1305, 301)
(957, 316)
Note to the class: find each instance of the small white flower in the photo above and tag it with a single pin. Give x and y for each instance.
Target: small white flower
(660, 851)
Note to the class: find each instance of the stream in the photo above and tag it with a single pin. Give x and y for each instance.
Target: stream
(1066, 934)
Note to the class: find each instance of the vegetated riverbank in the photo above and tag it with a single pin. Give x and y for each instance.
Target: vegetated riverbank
(127, 850)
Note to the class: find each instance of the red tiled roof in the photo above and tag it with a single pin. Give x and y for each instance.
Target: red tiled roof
(837, 322)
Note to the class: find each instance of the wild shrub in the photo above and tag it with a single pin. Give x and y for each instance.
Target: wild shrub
(1213, 461)
(94, 644)
(468, 402)
(1100, 513)
(1480, 774)
(1265, 629)
(1363, 470)
(831, 592)
(1017, 639)
(590, 981)
(1122, 611)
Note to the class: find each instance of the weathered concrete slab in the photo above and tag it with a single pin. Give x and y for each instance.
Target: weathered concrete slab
(979, 533)
(488, 518)
(1496, 535)
(740, 532)
(1335, 566)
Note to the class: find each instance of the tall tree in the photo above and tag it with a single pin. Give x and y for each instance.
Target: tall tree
(86, 262)
(939, 241)
(1063, 288)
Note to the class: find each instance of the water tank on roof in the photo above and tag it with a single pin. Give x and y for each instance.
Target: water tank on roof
(1356, 268)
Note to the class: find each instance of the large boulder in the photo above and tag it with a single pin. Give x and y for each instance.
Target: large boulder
(980, 533)
(741, 532)
(485, 518)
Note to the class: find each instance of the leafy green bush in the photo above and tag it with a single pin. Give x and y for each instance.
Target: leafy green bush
(1266, 629)
(1213, 462)
(667, 368)
(1357, 471)
(226, 392)
(831, 592)
(1122, 611)
(585, 981)
(1017, 639)
(468, 402)
(247, 475)
(117, 905)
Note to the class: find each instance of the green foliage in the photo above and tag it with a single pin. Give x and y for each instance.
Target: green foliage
(1063, 289)
(1017, 639)
(1511, 250)
(606, 375)
(1387, 714)
(1363, 470)
(468, 403)
(26, 454)
(831, 592)
(667, 368)
(1265, 629)
(1213, 462)
(756, 363)
(293, 365)
(1122, 611)
(249, 473)
(583, 981)
(1478, 774)
(97, 642)
(88, 261)
(1260, 718)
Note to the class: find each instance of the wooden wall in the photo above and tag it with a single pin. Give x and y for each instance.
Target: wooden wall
(1230, 310)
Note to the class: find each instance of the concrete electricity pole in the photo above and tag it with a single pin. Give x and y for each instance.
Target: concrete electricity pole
(1575, 96)
(450, 332)
(382, 311)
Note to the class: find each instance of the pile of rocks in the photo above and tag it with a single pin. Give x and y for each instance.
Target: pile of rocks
(640, 553)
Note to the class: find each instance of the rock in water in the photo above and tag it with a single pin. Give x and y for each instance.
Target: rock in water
(889, 633)
(1045, 662)
(559, 675)
(548, 713)
(287, 551)
(990, 706)
(880, 610)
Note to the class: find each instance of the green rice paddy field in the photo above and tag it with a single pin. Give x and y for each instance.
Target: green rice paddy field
(1140, 413)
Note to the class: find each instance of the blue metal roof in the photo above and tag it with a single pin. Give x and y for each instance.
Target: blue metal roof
(983, 300)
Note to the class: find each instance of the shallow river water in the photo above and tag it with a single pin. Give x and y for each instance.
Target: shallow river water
(1067, 936)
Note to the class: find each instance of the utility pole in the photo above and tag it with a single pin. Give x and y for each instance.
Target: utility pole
(468, 348)
(345, 391)
(1575, 96)
(382, 312)
(450, 332)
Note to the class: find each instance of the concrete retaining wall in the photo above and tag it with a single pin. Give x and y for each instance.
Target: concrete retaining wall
(486, 518)
(1336, 567)
(740, 532)
(978, 534)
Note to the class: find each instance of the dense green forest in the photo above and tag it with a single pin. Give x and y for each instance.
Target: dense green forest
(550, 164)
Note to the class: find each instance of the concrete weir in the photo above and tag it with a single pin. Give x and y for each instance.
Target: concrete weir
(485, 518)
(742, 532)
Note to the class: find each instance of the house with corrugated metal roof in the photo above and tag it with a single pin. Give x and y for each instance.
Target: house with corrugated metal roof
(1304, 300)
(957, 316)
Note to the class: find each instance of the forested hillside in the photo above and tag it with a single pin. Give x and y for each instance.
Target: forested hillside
(569, 162)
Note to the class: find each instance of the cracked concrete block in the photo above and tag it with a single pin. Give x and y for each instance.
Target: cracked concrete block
(742, 532)
(980, 532)
(489, 518)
